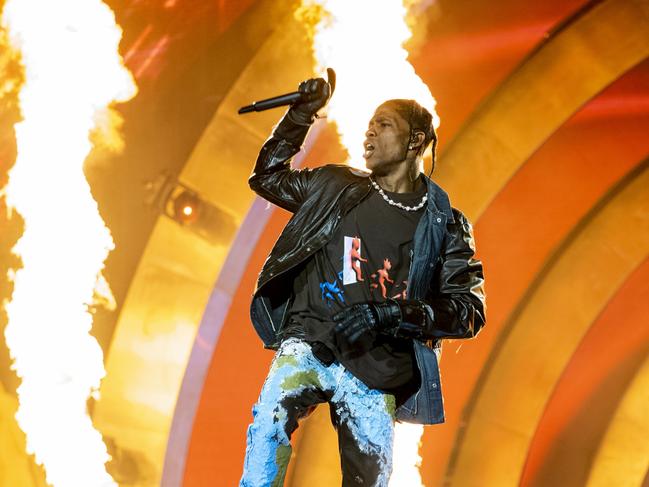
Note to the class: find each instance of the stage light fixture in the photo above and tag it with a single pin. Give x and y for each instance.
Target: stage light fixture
(186, 207)
(189, 209)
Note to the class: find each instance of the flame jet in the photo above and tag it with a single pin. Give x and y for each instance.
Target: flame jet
(73, 73)
(363, 40)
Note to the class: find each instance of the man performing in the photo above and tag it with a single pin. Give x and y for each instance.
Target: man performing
(372, 358)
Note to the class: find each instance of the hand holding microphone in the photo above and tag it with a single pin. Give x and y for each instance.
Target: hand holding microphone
(312, 95)
(316, 92)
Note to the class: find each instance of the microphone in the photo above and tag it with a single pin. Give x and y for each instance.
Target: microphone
(288, 98)
(274, 102)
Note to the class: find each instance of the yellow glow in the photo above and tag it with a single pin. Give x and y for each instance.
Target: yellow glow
(363, 41)
(188, 210)
(73, 72)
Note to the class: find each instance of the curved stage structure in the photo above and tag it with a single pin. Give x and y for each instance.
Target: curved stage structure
(543, 145)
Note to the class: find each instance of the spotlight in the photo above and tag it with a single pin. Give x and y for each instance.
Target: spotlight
(186, 207)
(189, 209)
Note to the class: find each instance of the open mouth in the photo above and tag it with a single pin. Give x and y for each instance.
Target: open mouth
(369, 149)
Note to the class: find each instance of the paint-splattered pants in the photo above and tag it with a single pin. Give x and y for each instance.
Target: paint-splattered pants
(296, 383)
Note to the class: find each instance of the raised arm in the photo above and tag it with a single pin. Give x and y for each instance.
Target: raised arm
(273, 178)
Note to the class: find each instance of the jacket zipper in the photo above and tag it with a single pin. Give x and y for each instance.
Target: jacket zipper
(412, 254)
(270, 319)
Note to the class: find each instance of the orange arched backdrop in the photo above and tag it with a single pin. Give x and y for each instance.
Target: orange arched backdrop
(544, 111)
(526, 225)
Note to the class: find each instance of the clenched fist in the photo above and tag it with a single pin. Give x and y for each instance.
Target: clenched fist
(317, 93)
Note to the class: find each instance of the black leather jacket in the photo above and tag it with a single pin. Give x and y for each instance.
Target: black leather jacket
(445, 279)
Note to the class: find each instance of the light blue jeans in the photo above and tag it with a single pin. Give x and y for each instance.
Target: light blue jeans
(296, 383)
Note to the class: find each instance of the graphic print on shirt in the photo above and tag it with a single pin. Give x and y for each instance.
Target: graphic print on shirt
(352, 260)
(383, 275)
(381, 281)
(331, 290)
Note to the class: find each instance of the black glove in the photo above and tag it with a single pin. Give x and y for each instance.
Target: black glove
(318, 93)
(357, 323)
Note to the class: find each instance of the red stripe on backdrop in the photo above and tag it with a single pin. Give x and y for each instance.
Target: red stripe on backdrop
(468, 52)
(618, 333)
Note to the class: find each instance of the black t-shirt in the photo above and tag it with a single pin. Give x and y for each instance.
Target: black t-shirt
(367, 259)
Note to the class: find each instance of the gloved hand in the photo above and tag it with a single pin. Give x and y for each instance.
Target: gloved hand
(318, 93)
(356, 323)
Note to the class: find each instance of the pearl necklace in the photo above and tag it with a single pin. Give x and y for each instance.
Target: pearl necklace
(397, 204)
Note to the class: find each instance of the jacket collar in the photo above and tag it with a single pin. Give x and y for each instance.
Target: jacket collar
(438, 199)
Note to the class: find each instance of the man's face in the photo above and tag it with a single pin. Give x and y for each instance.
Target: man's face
(386, 140)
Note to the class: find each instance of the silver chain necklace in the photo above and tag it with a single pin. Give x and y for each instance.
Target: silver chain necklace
(397, 204)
